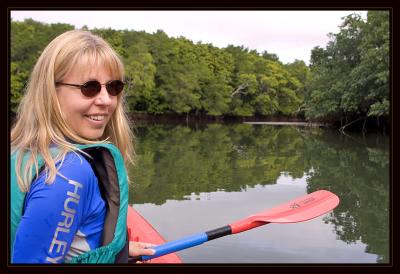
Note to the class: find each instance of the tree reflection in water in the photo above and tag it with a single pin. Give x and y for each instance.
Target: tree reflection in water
(174, 162)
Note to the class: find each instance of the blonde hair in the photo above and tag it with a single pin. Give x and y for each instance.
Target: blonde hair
(39, 121)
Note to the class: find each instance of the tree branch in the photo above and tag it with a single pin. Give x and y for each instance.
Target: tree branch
(348, 124)
(239, 89)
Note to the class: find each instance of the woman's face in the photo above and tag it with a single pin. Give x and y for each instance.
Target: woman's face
(87, 116)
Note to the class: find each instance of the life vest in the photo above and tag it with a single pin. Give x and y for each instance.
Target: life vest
(108, 165)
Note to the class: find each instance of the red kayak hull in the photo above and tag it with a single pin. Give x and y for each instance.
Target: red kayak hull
(140, 230)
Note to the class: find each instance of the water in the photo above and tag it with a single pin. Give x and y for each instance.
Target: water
(190, 180)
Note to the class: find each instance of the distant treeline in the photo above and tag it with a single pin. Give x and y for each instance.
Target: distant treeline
(347, 81)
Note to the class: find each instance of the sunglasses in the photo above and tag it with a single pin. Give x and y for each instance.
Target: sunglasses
(93, 87)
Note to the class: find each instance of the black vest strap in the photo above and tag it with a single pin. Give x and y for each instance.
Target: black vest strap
(103, 166)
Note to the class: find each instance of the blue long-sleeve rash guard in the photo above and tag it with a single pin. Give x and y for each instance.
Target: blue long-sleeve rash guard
(62, 219)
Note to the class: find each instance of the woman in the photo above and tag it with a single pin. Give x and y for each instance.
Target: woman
(70, 143)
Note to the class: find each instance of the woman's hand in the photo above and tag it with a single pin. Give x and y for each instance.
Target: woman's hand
(139, 249)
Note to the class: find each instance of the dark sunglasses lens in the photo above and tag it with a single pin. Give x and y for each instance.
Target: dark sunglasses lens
(115, 87)
(91, 88)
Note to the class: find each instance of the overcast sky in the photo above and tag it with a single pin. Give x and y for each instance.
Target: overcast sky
(289, 34)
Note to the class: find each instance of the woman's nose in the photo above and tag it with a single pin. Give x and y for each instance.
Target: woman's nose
(103, 98)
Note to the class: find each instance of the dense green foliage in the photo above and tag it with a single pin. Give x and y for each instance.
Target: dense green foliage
(350, 78)
(347, 80)
(174, 75)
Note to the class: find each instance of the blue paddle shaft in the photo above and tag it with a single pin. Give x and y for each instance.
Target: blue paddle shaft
(177, 245)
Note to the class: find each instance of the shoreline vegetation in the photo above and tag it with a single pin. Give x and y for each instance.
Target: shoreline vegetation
(172, 79)
(193, 120)
(140, 118)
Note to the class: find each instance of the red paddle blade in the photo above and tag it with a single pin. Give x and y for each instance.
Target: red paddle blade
(298, 210)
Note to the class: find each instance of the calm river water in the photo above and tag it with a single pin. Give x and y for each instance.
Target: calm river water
(191, 180)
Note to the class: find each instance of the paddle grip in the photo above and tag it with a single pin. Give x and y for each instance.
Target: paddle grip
(219, 232)
(177, 245)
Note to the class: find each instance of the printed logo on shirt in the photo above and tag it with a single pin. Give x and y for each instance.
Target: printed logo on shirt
(68, 214)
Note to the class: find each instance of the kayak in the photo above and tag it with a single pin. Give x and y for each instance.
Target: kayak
(140, 230)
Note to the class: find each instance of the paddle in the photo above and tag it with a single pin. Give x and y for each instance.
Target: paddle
(298, 210)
